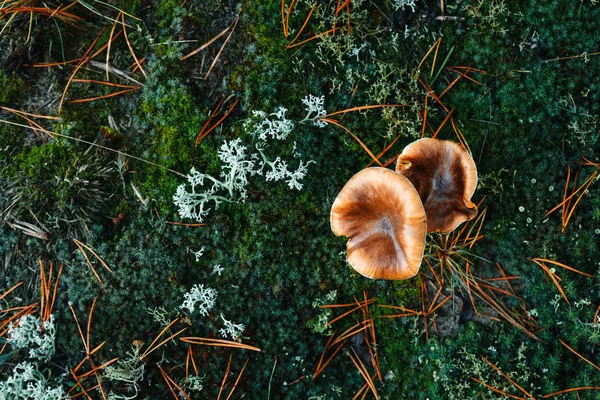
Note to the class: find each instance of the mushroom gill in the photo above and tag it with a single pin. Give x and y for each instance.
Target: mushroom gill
(381, 213)
(445, 176)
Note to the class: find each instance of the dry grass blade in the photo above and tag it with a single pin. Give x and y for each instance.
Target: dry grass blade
(579, 355)
(223, 46)
(27, 228)
(498, 390)
(100, 147)
(218, 343)
(508, 378)
(334, 122)
(225, 377)
(237, 380)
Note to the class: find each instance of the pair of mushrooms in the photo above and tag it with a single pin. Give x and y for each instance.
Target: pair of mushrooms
(387, 214)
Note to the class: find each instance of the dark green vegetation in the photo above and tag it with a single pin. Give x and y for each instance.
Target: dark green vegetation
(533, 116)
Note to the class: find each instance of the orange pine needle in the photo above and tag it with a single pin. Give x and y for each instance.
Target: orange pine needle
(507, 378)
(326, 363)
(563, 266)
(571, 390)
(106, 96)
(302, 28)
(94, 253)
(323, 354)
(287, 18)
(437, 43)
(224, 377)
(183, 223)
(335, 122)
(363, 371)
(87, 350)
(424, 117)
(285, 32)
(311, 38)
(498, 390)
(150, 350)
(443, 123)
(360, 108)
(30, 114)
(205, 45)
(218, 343)
(370, 301)
(110, 39)
(579, 355)
(223, 46)
(131, 48)
(170, 382)
(237, 380)
(84, 59)
(105, 83)
(201, 135)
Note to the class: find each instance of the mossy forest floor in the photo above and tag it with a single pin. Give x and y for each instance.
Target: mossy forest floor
(90, 161)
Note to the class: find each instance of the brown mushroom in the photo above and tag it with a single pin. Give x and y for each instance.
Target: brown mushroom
(381, 213)
(445, 176)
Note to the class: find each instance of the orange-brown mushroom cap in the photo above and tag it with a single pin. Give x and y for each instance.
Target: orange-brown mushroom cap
(381, 213)
(445, 176)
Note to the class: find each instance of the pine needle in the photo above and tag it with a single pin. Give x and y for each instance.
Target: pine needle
(335, 122)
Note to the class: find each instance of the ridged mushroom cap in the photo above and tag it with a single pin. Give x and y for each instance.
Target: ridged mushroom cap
(445, 176)
(382, 215)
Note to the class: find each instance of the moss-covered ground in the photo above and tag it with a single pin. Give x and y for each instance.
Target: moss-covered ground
(516, 81)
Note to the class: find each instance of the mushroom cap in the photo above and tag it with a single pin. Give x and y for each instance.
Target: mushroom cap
(381, 213)
(445, 176)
